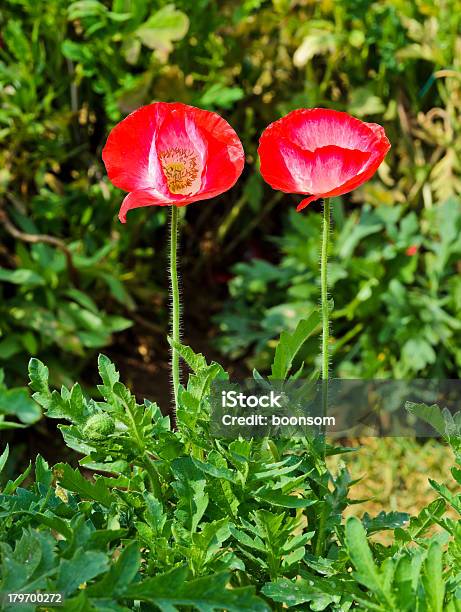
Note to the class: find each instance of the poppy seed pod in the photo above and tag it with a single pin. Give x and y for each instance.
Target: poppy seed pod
(99, 426)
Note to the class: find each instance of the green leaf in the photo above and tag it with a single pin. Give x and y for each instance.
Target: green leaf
(4, 458)
(70, 406)
(109, 376)
(367, 573)
(10, 346)
(10, 424)
(321, 591)
(212, 470)
(84, 566)
(86, 8)
(364, 102)
(220, 96)
(72, 480)
(18, 403)
(432, 578)
(21, 276)
(444, 491)
(12, 485)
(16, 40)
(284, 501)
(195, 361)
(384, 520)
(164, 27)
(281, 468)
(118, 290)
(27, 567)
(417, 353)
(406, 578)
(244, 539)
(430, 414)
(190, 489)
(204, 594)
(38, 375)
(43, 473)
(154, 514)
(318, 42)
(83, 299)
(290, 344)
(120, 574)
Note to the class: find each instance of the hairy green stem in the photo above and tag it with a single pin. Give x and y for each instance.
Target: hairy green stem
(175, 312)
(324, 289)
(319, 542)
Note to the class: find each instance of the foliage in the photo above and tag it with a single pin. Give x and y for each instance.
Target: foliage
(46, 310)
(70, 70)
(397, 311)
(232, 524)
(16, 403)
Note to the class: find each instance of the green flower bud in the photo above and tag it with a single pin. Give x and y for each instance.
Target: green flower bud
(98, 426)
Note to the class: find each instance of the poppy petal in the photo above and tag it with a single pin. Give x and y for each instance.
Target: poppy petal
(127, 154)
(306, 202)
(140, 198)
(318, 127)
(225, 159)
(332, 166)
(182, 152)
(377, 156)
(275, 154)
(219, 147)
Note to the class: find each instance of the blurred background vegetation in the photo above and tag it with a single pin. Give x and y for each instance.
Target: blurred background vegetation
(73, 281)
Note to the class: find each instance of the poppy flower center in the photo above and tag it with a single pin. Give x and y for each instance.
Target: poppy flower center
(181, 169)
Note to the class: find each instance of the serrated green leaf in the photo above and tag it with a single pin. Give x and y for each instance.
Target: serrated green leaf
(38, 374)
(204, 594)
(290, 344)
(195, 361)
(72, 480)
(70, 406)
(385, 520)
(367, 573)
(317, 590)
(432, 578)
(190, 489)
(84, 566)
(43, 473)
(108, 374)
(276, 498)
(212, 470)
(120, 575)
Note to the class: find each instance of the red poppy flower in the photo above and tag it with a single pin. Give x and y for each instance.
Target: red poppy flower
(172, 154)
(411, 250)
(320, 152)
